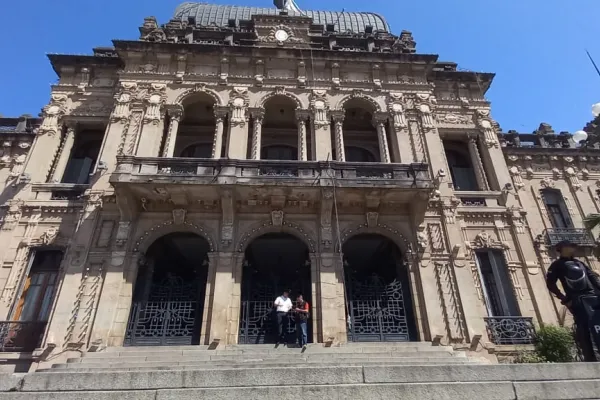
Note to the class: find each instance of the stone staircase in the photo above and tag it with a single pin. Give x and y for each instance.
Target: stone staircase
(252, 372)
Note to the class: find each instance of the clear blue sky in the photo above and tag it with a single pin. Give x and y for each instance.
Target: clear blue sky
(535, 47)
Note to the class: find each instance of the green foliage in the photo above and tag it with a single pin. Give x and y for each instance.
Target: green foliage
(553, 344)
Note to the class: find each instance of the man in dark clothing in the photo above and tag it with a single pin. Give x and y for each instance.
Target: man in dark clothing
(578, 281)
(301, 314)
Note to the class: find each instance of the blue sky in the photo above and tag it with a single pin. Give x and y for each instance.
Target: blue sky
(536, 48)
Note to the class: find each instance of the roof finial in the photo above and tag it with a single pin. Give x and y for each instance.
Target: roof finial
(287, 5)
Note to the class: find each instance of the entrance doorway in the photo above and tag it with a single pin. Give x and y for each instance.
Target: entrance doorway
(273, 263)
(169, 293)
(377, 291)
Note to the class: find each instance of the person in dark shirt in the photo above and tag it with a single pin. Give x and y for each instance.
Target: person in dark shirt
(301, 314)
(578, 280)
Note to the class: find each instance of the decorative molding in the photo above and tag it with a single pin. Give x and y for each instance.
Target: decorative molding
(280, 91)
(239, 100)
(359, 94)
(199, 88)
(155, 232)
(268, 226)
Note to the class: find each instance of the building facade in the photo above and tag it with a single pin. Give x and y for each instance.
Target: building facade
(179, 182)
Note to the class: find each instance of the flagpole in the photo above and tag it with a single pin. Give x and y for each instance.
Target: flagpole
(593, 62)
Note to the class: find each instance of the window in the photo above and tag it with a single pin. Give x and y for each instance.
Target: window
(279, 153)
(198, 151)
(39, 288)
(496, 285)
(557, 210)
(83, 157)
(461, 170)
(358, 154)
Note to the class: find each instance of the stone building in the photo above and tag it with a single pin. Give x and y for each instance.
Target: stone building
(179, 182)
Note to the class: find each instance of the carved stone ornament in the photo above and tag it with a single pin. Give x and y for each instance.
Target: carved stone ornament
(49, 236)
(155, 97)
(52, 112)
(277, 218)
(422, 241)
(239, 102)
(396, 110)
(372, 219)
(484, 240)
(320, 107)
(547, 183)
(424, 103)
(280, 34)
(122, 233)
(179, 216)
(454, 119)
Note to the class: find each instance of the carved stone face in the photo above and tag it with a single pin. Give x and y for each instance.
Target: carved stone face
(319, 104)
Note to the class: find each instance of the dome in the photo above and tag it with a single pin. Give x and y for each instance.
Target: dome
(219, 15)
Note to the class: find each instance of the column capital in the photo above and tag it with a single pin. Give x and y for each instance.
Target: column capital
(338, 115)
(380, 117)
(257, 113)
(302, 115)
(175, 111)
(221, 112)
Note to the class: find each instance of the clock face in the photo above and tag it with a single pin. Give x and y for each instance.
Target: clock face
(281, 35)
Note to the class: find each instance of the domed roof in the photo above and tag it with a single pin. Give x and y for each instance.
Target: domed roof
(219, 15)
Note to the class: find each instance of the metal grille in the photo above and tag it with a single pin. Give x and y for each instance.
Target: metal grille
(510, 330)
(20, 336)
(169, 318)
(377, 311)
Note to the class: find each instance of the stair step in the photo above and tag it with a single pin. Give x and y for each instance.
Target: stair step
(255, 364)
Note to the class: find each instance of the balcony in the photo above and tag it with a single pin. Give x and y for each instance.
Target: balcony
(264, 172)
(580, 236)
(18, 336)
(510, 330)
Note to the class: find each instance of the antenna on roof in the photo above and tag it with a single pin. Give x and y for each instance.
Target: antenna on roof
(593, 62)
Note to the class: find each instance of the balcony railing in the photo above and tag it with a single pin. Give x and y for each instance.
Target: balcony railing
(18, 336)
(580, 236)
(231, 171)
(510, 330)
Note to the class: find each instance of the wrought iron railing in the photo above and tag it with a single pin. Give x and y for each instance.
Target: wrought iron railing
(163, 323)
(18, 336)
(510, 330)
(580, 236)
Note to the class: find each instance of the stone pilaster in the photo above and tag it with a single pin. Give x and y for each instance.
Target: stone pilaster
(175, 115)
(220, 298)
(237, 146)
(64, 153)
(480, 175)
(400, 137)
(331, 312)
(153, 122)
(320, 127)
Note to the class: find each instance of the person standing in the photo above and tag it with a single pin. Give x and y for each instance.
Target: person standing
(283, 305)
(301, 314)
(578, 281)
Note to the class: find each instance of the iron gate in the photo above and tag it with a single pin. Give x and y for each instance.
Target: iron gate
(257, 319)
(169, 317)
(377, 311)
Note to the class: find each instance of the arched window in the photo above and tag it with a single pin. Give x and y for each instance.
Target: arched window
(279, 152)
(461, 170)
(358, 154)
(202, 150)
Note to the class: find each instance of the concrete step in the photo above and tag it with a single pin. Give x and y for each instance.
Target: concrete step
(291, 357)
(161, 365)
(548, 390)
(572, 381)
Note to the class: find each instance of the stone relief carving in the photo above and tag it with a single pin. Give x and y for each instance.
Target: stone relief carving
(547, 183)
(271, 37)
(422, 240)
(179, 216)
(486, 125)
(52, 112)
(425, 103)
(238, 103)
(277, 218)
(396, 110)
(320, 108)
(155, 98)
(515, 172)
(326, 215)
(228, 215)
(372, 219)
(571, 175)
(49, 236)
(450, 118)
(484, 240)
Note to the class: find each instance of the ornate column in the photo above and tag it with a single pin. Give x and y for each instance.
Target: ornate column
(477, 163)
(338, 123)
(401, 143)
(153, 122)
(64, 153)
(301, 118)
(321, 126)
(220, 115)
(380, 120)
(237, 145)
(257, 117)
(175, 114)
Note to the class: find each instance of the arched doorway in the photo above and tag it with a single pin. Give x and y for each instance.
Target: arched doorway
(377, 291)
(360, 136)
(169, 293)
(273, 262)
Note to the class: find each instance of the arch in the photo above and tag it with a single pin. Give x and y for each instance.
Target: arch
(360, 96)
(384, 230)
(262, 101)
(193, 91)
(146, 240)
(193, 146)
(268, 227)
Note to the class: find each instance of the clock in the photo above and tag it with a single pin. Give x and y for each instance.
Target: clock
(281, 35)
